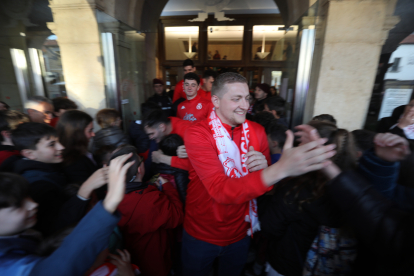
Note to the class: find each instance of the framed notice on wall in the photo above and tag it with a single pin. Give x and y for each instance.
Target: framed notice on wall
(393, 98)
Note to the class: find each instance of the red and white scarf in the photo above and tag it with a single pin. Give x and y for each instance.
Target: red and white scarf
(234, 161)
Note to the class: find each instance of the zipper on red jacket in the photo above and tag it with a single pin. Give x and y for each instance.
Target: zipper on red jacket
(232, 133)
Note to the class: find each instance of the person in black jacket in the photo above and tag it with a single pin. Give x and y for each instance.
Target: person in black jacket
(160, 97)
(75, 129)
(110, 134)
(299, 206)
(169, 145)
(41, 166)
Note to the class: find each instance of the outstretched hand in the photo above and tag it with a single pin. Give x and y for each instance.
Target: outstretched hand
(305, 158)
(116, 182)
(255, 160)
(307, 134)
(391, 147)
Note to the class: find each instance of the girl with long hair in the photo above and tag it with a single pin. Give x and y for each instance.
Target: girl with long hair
(75, 129)
(299, 206)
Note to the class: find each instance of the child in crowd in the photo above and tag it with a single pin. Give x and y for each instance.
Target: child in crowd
(111, 134)
(276, 137)
(61, 105)
(149, 213)
(80, 248)
(9, 120)
(75, 129)
(42, 154)
(178, 177)
(300, 206)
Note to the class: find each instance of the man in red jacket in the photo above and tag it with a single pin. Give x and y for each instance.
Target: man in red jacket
(188, 66)
(195, 108)
(229, 158)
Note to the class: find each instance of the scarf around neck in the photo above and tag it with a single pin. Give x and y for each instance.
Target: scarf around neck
(234, 159)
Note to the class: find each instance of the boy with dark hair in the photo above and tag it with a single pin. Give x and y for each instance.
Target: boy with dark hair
(276, 137)
(39, 144)
(188, 66)
(149, 213)
(195, 107)
(208, 79)
(8, 121)
(79, 249)
(276, 106)
(178, 177)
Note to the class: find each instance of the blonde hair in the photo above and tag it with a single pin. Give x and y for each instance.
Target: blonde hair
(15, 118)
(106, 117)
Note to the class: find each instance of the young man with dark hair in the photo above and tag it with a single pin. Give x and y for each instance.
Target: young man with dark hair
(276, 137)
(195, 107)
(188, 66)
(157, 126)
(61, 105)
(160, 97)
(149, 214)
(77, 253)
(229, 157)
(276, 106)
(42, 152)
(208, 79)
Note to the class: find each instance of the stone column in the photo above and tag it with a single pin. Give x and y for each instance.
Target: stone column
(349, 38)
(78, 36)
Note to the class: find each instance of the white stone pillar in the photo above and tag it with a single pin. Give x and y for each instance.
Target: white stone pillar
(347, 50)
(78, 36)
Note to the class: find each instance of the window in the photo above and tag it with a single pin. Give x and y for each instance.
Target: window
(395, 65)
(225, 42)
(181, 43)
(273, 42)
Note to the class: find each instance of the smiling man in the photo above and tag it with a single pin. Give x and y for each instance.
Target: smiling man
(229, 157)
(195, 107)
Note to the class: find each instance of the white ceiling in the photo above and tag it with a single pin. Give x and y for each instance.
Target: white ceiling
(192, 7)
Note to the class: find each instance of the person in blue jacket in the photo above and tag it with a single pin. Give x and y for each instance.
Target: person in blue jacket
(78, 251)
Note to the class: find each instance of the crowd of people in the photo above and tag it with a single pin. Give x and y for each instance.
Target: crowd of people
(210, 182)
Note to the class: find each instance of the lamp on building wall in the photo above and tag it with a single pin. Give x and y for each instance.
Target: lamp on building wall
(263, 54)
(190, 54)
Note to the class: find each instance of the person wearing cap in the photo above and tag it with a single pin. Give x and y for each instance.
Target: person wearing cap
(160, 97)
(260, 94)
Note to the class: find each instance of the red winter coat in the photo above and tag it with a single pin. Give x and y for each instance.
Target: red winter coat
(148, 217)
(216, 204)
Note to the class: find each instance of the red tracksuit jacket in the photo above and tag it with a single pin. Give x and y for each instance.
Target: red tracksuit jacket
(146, 225)
(215, 203)
(196, 109)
